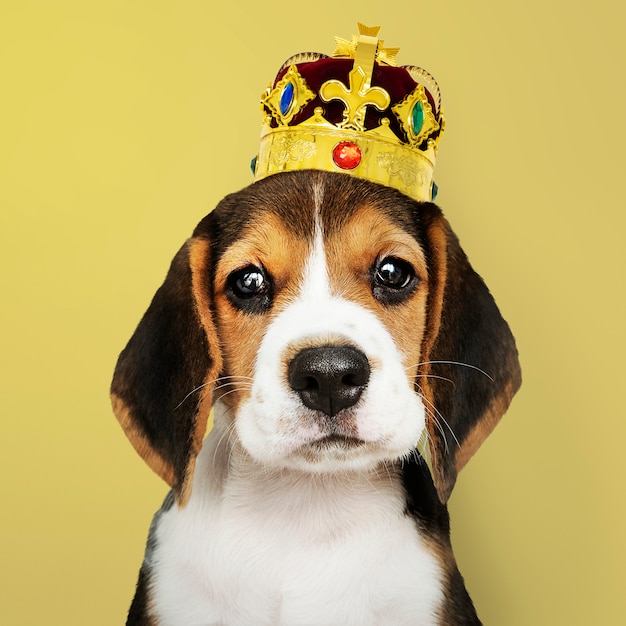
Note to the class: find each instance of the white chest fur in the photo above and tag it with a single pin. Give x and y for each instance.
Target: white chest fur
(268, 547)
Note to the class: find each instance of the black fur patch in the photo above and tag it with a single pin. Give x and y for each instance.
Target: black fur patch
(166, 358)
(431, 516)
(169, 356)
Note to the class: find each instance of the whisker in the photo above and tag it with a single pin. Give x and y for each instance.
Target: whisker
(423, 446)
(461, 364)
(229, 392)
(388, 471)
(437, 415)
(202, 386)
(439, 428)
(226, 434)
(236, 384)
(229, 380)
(448, 380)
(443, 419)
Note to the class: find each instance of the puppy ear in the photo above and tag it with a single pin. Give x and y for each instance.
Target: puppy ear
(162, 385)
(470, 369)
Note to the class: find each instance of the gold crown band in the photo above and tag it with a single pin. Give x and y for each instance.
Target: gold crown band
(384, 162)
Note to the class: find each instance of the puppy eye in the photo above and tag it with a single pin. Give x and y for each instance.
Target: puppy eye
(393, 279)
(249, 283)
(394, 273)
(249, 289)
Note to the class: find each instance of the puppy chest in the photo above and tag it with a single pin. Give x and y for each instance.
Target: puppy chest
(354, 563)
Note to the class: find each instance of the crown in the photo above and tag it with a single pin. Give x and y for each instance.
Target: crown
(356, 112)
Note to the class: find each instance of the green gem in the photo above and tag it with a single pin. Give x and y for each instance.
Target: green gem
(417, 117)
(434, 191)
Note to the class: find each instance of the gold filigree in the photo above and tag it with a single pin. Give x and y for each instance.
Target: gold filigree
(402, 166)
(287, 148)
(302, 95)
(310, 145)
(404, 112)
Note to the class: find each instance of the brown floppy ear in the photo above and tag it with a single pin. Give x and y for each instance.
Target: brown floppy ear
(162, 385)
(470, 368)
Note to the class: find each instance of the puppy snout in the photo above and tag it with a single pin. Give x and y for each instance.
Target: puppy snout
(329, 378)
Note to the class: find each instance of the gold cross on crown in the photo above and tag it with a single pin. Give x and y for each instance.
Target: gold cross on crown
(365, 48)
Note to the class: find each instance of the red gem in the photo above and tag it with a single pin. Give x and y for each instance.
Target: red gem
(346, 155)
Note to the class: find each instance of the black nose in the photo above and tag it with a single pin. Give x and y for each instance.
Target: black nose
(329, 378)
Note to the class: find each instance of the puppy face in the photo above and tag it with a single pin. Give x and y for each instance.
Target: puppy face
(321, 331)
(334, 320)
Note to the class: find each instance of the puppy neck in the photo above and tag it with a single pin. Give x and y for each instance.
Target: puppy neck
(228, 471)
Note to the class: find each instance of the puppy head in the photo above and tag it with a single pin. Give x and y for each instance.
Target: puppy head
(333, 320)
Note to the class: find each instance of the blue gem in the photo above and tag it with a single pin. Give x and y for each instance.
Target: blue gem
(253, 164)
(434, 191)
(286, 98)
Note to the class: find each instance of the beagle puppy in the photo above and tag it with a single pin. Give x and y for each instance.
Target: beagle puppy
(331, 323)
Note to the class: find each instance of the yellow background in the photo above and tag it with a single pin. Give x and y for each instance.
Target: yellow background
(123, 122)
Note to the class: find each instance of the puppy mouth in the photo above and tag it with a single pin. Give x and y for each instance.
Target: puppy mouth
(334, 443)
(335, 452)
(334, 440)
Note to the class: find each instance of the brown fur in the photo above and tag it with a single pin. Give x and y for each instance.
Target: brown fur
(367, 236)
(469, 343)
(456, 347)
(431, 328)
(267, 244)
(140, 442)
(172, 353)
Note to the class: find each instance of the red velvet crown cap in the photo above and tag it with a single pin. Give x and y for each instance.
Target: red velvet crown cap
(395, 80)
